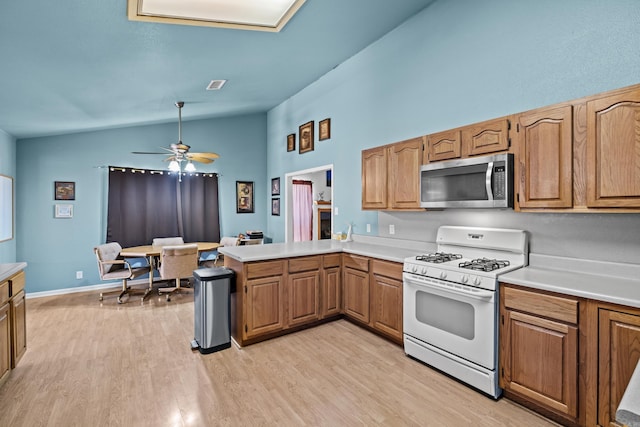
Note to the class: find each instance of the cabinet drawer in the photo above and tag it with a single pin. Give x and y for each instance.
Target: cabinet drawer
(265, 269)
(17, 283)
(356, 262)
(387, 269)
(4, 292)
(553, 307)
(306, 263)
(332, 260)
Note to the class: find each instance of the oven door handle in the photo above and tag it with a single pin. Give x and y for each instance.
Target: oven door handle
(479, 294)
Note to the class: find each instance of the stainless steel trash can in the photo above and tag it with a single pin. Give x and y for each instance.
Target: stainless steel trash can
(212, 314)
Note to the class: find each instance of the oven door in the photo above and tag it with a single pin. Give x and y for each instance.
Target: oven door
(455, 318)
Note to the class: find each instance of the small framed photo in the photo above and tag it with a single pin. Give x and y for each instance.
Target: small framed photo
(275, 207)
(306, 137)
(244, 196)
(275, 186)
(324, 129)
(64, 211)
(65, 190)
(291, 142)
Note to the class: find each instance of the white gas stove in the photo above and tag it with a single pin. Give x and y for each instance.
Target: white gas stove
(450, 301)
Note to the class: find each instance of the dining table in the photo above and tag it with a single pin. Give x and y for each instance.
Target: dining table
(152, 253)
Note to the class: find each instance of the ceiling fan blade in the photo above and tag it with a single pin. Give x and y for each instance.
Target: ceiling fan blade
(200, 159)
(169, 158)
(146, 152)
(207, 155)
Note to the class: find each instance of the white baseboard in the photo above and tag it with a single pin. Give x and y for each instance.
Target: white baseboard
(83, 288)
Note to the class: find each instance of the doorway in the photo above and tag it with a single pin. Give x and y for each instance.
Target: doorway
(321, 178)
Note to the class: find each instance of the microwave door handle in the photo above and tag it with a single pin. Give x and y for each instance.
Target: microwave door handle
(488, 179)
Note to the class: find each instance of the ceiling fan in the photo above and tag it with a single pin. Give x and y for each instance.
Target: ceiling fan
(179, 152)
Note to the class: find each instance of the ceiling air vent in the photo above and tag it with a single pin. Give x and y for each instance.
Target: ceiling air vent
(216, 84)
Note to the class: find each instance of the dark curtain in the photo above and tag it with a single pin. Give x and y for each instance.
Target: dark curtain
(148, 204)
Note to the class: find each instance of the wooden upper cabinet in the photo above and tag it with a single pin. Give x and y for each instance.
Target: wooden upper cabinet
(444, 145)
(544, 167)
(613, 150)
(404, 174)
(374, 178)
(486, 137)
(391, 175)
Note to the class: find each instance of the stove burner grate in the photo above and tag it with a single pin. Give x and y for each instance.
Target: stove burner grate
(484, 264)
(438, 257)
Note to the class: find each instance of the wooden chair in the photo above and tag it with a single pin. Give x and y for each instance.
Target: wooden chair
(177, 262)
(111, 266)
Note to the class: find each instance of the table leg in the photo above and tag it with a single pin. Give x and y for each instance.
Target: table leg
(151, 270)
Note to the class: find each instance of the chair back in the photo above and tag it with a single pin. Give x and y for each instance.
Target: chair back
(107, 252)
(167, 241)
(178, 261)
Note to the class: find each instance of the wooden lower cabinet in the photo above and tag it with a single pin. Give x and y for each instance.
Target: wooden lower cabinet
(5, 341)
(18, 328)
(331, 292)
(303, 297)
(356, 294)
(618, 355)
(539, 350)
(386, 301)
(263, 306)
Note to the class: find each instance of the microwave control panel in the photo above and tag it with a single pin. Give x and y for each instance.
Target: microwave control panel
(499, 177)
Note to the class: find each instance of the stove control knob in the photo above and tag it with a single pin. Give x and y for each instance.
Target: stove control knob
(477, 281)
(424, 270)
(414, 268)
(464, 278)
(443, 275)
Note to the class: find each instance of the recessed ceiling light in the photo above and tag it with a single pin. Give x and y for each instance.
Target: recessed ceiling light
(216, 84)
(263, 15)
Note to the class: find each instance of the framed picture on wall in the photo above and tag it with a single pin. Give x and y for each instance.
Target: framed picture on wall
(306, 137)
(65, 190)
(64, 211)
(244, 196)
(275, 207)
(275, 186)
(291, 142)
(324, 129)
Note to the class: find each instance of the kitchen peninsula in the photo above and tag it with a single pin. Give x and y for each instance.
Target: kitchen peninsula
(285, 287)
(13, 331)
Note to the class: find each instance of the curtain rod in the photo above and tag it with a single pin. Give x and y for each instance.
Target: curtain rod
(155, 171)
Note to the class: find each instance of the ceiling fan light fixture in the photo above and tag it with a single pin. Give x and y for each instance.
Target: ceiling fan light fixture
(190, 167)
(174, 166)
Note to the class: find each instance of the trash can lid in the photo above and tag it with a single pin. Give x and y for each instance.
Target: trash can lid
(205, 274)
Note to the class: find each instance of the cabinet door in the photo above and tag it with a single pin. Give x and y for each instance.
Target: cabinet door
(544, 144)
(613, 151)
(331, 292)
(5, 341)
(540, 361)
(263, 306)
(444, 145)
(356, 294)
(387, 306)
(618, 354)
(303, 292)
(374, 178)
(486, 137)
(404, 174)
(19, 327)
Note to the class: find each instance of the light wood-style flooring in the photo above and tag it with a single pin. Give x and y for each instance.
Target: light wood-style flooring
(102, 364)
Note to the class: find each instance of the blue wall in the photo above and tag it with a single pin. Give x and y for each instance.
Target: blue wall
(56, 248)
(457, 62)
(8, 167)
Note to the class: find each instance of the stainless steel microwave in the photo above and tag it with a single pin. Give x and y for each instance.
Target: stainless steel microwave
(477, 182)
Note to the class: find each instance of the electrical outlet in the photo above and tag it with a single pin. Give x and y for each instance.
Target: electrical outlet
(78, 274)
(392, 229)
(368, 228)
(335, 210)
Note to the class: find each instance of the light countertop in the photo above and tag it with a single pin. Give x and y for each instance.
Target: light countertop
(386, 249)
(9, 269)
(616, 283)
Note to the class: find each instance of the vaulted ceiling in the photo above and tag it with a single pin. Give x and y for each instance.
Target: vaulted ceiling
(80, 65)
